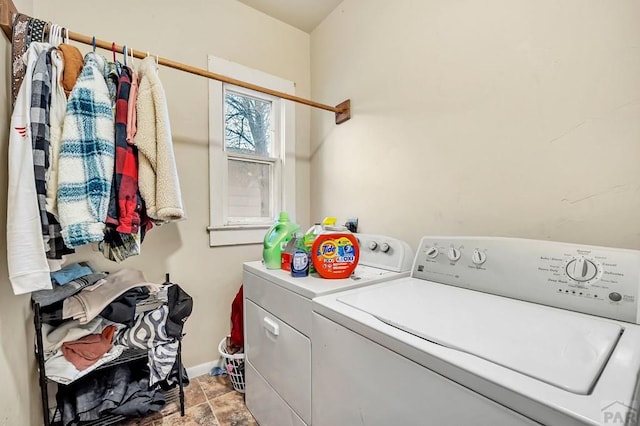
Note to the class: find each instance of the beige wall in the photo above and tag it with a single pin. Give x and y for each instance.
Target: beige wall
(499, 117)
(227, 29)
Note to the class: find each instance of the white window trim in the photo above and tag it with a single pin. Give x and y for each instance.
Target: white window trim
(221, 233)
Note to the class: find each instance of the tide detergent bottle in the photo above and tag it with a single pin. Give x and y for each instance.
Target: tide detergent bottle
(276, 239)
(335, 252)
(311, 235)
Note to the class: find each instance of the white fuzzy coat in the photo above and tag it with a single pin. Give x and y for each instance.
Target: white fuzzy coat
(157, 174)
(86, 160)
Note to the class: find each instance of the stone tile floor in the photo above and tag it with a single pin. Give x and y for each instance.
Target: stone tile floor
(209, 401)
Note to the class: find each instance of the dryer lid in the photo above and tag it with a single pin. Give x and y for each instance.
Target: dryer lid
(562, 348)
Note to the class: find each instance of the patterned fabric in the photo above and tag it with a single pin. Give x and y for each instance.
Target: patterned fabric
(124, 205)
(36, 30)
(39, 115)
(18, 47)
(122, 238)
(161, 361)
(86, 157)
(149, 332)
(57, 248)
(40, 137)
(117, 246)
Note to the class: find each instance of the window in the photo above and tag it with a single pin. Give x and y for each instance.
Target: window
(251, 153)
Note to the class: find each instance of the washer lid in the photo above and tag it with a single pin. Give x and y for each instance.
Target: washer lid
(558, 347)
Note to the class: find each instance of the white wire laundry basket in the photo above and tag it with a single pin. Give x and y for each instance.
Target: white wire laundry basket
(234, 365)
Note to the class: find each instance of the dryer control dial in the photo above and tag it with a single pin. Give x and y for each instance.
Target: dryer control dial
(373, 245)
(385, 247)
(581, 269)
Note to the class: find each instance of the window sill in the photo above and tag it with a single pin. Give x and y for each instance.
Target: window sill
(236, 235)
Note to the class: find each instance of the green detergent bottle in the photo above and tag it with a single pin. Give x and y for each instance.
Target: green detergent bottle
(275, 239)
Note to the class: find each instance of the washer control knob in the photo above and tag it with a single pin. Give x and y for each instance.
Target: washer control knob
(478, 257)
(432, 252)
(615, 297)
(373, 245)
(581, 269)
(453, 254)
(384, 247)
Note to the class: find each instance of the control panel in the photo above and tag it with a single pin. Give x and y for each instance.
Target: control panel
(384, 252)
(595, 280)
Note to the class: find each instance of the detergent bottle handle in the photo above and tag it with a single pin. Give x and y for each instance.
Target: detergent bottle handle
(270, 241)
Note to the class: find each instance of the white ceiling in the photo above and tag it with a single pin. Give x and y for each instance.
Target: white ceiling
(302, 14)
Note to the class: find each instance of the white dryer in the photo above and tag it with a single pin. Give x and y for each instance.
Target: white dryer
(277, 327)
(485, 331)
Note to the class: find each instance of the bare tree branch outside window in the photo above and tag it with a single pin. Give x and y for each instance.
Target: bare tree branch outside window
(248, 131)
(247, 124)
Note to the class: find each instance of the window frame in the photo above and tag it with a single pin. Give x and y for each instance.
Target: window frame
(222, 232)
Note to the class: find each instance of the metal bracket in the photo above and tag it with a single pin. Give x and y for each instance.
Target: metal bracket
(344, 111)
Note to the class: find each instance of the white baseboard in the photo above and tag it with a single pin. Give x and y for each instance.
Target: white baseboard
(200, 369)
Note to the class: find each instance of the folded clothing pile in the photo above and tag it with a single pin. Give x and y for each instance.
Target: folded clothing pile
(88, 304)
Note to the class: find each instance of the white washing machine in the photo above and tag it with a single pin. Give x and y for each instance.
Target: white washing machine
(485, 331)
(277, 327)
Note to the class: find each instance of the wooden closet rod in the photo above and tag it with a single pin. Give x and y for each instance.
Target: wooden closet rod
(342, 111)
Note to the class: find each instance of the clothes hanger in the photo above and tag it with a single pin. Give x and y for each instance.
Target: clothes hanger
(55, 37)
(93, 43)
(52, 34)
(57, 32)
(157, 60)
(113, 50)
(132, 56)
(124, 51)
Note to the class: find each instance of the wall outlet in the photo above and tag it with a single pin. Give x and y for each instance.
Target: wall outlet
(352, 224)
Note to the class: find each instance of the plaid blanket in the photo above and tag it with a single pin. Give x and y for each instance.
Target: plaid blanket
(86, 156)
